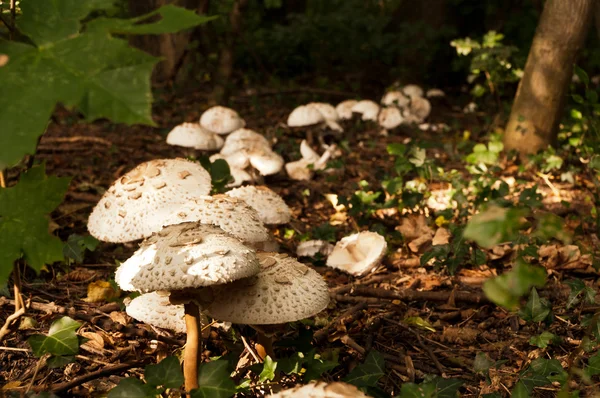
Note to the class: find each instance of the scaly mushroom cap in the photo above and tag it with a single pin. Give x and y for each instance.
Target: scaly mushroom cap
(413, 91)
(304, 116)
(156, 310)
(271, 208)
(326, 110)
(321, 389)
(395, 98)
(390, 118)
(139, 202)
(283, 291)
(358, 254)
(221, 120)
(233, 215)
(187, 255)
(367, 108)
(192, 135)
(344, 109)
(244, 139)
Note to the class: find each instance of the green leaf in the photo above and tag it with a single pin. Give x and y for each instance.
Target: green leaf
(132, 388)
(446, 388)
(537, 309)
(368, 373)
(268, 371)
(495, 225)
(506, 290)
(591, 96)
(292, 364)
(482, 363)
(23, 220)
(214, 381)
(543, 340)
(593, 367)
(58, 361)
(315, 366)
(61, 339)
(583, 76)
(576, 286)
(396, 149)
(578, 98)
(76, 245)
(412, 390)
(167, 373)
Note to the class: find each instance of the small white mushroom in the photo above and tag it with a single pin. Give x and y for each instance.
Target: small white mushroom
(395, 98)
(367, 108)
(390, 118)
(322, 389)
(304, 116)
(192, 135)
(435, 93)
(413, 91)
(221, 120)
(358, 254)
(310, 248)
(344, 109)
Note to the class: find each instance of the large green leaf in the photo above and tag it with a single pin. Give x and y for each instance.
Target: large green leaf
(61, 339)
(495, 225)
(79, 66)
(214, 381)
(133, 388)
(368, 373)
(24, 223)
(167, 373)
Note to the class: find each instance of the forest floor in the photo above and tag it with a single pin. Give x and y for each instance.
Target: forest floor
(422, 319)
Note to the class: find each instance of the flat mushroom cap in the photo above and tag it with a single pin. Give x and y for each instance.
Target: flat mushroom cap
(367, 108)
(271, 208)
(244, 139)
(156, 310)
(187, 255)
(304, 116)
(321, 389)
(233, 215)
(221, 120)
(359, 253)
(192, 135)
(413, 91)
(344, 109)
(390, 118)
(395, 98)
(139, 202)
(283, 291)
(325, 109)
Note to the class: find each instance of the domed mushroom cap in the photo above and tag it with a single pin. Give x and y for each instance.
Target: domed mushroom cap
(390, 118)
(139, 202)
(419, 109)
(271, 208)
(435, 93)
(325, 109)
(413, 91)
(233, 215)
(395, 98)
(305, 116)
(244, 139)
(359, 253)
(283, 291)
(187, 255)
(221, 120)
(344, 109)
(367, 108)
(321, 389)
(266, 161)
(192, 135)
(156, 310)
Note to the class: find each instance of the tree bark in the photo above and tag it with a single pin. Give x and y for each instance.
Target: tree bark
(542, 92)
(171, 47)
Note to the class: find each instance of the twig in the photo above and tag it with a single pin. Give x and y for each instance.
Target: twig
(9, 320)
(350, 342)
(407, 294)
(346, 316)
(2, 180)
(10, 28)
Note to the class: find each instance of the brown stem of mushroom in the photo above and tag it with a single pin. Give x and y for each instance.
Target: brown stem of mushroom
(192, 346)
(267, 343)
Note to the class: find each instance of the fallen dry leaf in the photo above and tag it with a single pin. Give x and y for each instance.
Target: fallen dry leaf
(99, 291)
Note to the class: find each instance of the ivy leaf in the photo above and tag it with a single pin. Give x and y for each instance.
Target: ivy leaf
(167, 373)
(593, 367)
(292, 364)
(214, 381)
(132, 388)
(268, 371)
(23, 220)
(543, 340)
(315, 366)
(495, 225)
(368, 373)
(507, 289)
(61, 339)
(446, 388)
(412, 390)
(537, 309)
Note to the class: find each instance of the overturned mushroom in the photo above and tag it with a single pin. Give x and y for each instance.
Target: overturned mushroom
(301, 170)
(322, 389)
(358, 254)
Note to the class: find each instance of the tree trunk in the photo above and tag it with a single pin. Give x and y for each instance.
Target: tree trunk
(542, 92)
(225, 68)
(171, 47)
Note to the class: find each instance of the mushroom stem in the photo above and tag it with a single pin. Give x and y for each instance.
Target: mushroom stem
(267, 343)
(192, 346)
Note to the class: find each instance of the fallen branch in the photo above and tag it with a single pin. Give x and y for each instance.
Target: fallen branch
(346, 317)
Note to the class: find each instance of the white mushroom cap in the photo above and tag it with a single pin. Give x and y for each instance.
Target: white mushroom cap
(390, 118)
(310, 248)
(298, 170)
(271, 208)
(187, 255)
(283, 291)
(413, 91)
(344, 109)
(325, 109)
(367, 108)
(221, 120)
(321, 389)
(308, 153)
(419, 109)
(359, 253)
(395, 98)
(192, 135)
(156, 310)
(244, 139)
(139, 202)
(232, 215)
(305, 116)
(435, 92)
(266, 161)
